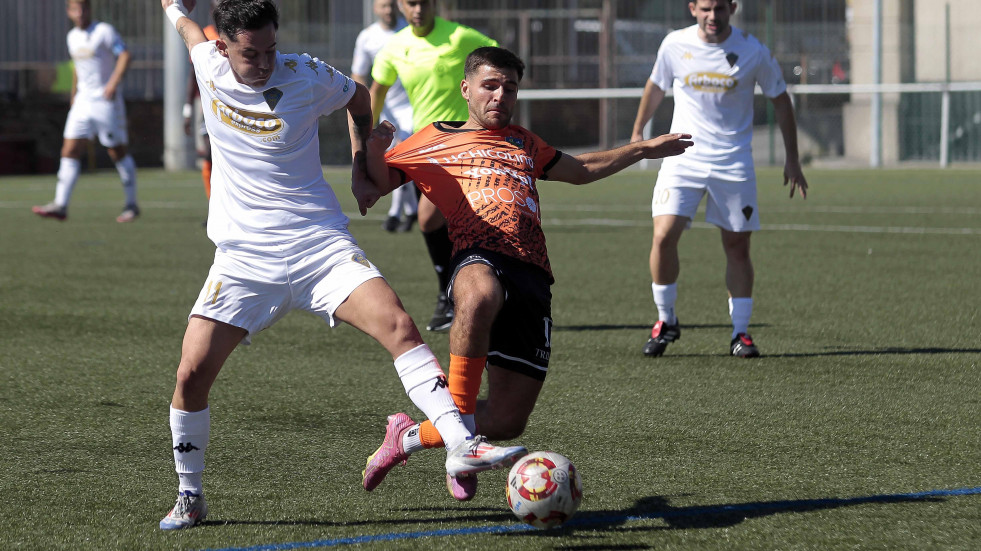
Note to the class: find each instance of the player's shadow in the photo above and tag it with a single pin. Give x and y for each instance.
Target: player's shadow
(644, 327)
(704, 516)
(888, 350)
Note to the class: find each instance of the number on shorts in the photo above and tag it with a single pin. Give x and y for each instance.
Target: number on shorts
(217, 290)
(661, 197)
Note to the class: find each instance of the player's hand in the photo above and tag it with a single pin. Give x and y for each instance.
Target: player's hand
(364, 190)
(109, 92)
(668, 145)
(380, 138)
(634, 138)
(793, 173)
(188, 4)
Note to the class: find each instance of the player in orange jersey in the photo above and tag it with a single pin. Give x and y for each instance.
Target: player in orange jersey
(482, 174)
(204, 147)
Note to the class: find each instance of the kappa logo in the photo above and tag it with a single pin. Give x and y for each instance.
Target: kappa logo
(440, 383)
(246, 122)
(185, 447)
(291, 64)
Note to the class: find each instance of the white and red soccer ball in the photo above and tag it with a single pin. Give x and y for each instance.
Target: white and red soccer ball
(544, 489)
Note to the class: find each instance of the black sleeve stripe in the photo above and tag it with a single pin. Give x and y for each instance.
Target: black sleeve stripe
(555, 159)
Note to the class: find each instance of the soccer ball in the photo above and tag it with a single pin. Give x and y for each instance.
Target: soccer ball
(544, 489)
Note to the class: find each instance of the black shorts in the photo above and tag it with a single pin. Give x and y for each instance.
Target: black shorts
(521, 337)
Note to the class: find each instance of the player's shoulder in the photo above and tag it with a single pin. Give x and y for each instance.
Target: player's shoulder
(304, 67)
(747, 40)
(459, 31)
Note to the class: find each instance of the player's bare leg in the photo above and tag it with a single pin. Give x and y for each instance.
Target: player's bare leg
(739, 282)
(207, 344)
(665, 267)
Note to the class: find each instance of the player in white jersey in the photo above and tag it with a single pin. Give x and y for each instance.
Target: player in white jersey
(396, 109)
(282, 240)
(100, 59)
(713, 69)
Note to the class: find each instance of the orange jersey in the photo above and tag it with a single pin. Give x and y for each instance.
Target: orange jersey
(483, 181)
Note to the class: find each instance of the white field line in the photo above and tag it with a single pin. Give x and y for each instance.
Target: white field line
(620, 222)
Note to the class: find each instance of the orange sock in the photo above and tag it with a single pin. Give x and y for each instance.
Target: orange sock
(464, 381)
(429, 436)
(206, 178)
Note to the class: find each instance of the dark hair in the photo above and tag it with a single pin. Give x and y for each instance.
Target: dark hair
(495, 57)
(235, 16)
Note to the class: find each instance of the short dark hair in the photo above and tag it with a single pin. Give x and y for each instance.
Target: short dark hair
(499, 58)
(235, 16)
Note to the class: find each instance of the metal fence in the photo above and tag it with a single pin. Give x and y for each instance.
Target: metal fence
(604, 45)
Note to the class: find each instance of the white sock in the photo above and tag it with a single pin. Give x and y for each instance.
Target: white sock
(665, 296)
(410, 205)
(740, 310)
(425, 383)
(396, 201)
(68, 171)
(411, 441)
(127, 173)
(190, 432)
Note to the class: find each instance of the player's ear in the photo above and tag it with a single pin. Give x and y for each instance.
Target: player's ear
(222, 47)
(465, 90)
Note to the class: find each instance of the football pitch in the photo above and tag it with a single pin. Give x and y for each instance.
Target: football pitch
(858, 429)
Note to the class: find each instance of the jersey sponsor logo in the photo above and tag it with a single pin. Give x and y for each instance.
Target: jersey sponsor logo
(246, 122)
(487, 195)
(711, 82)
(517, 159)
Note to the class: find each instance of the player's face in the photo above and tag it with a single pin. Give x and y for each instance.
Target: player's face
(387, 12)
(80, 13)
(712, 17)
(252, 55)
(421, 14)
(491, 94)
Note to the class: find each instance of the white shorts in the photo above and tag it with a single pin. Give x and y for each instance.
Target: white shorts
(253, 291)
(105, 119)
(731, 203)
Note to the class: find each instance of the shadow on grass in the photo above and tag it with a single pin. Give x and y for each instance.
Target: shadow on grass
(879, 351)
(432, 515)
(646, 327)
(700, 516)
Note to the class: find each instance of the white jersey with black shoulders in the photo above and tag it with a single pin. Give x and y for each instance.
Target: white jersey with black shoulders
(713, 88)
(268, 191)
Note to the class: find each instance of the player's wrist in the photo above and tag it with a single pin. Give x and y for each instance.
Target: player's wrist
(175, 11)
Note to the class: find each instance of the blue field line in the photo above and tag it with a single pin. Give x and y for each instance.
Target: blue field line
(586, 520)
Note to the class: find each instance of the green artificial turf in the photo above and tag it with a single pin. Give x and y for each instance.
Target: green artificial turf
(866, 311)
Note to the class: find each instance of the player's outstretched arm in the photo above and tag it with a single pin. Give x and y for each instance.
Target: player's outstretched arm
(792, 171)
(589, 167)
(651, 98)
(189, 30)
(385, 178)
(378, 93)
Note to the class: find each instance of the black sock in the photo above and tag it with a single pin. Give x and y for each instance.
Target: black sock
(439, 246)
